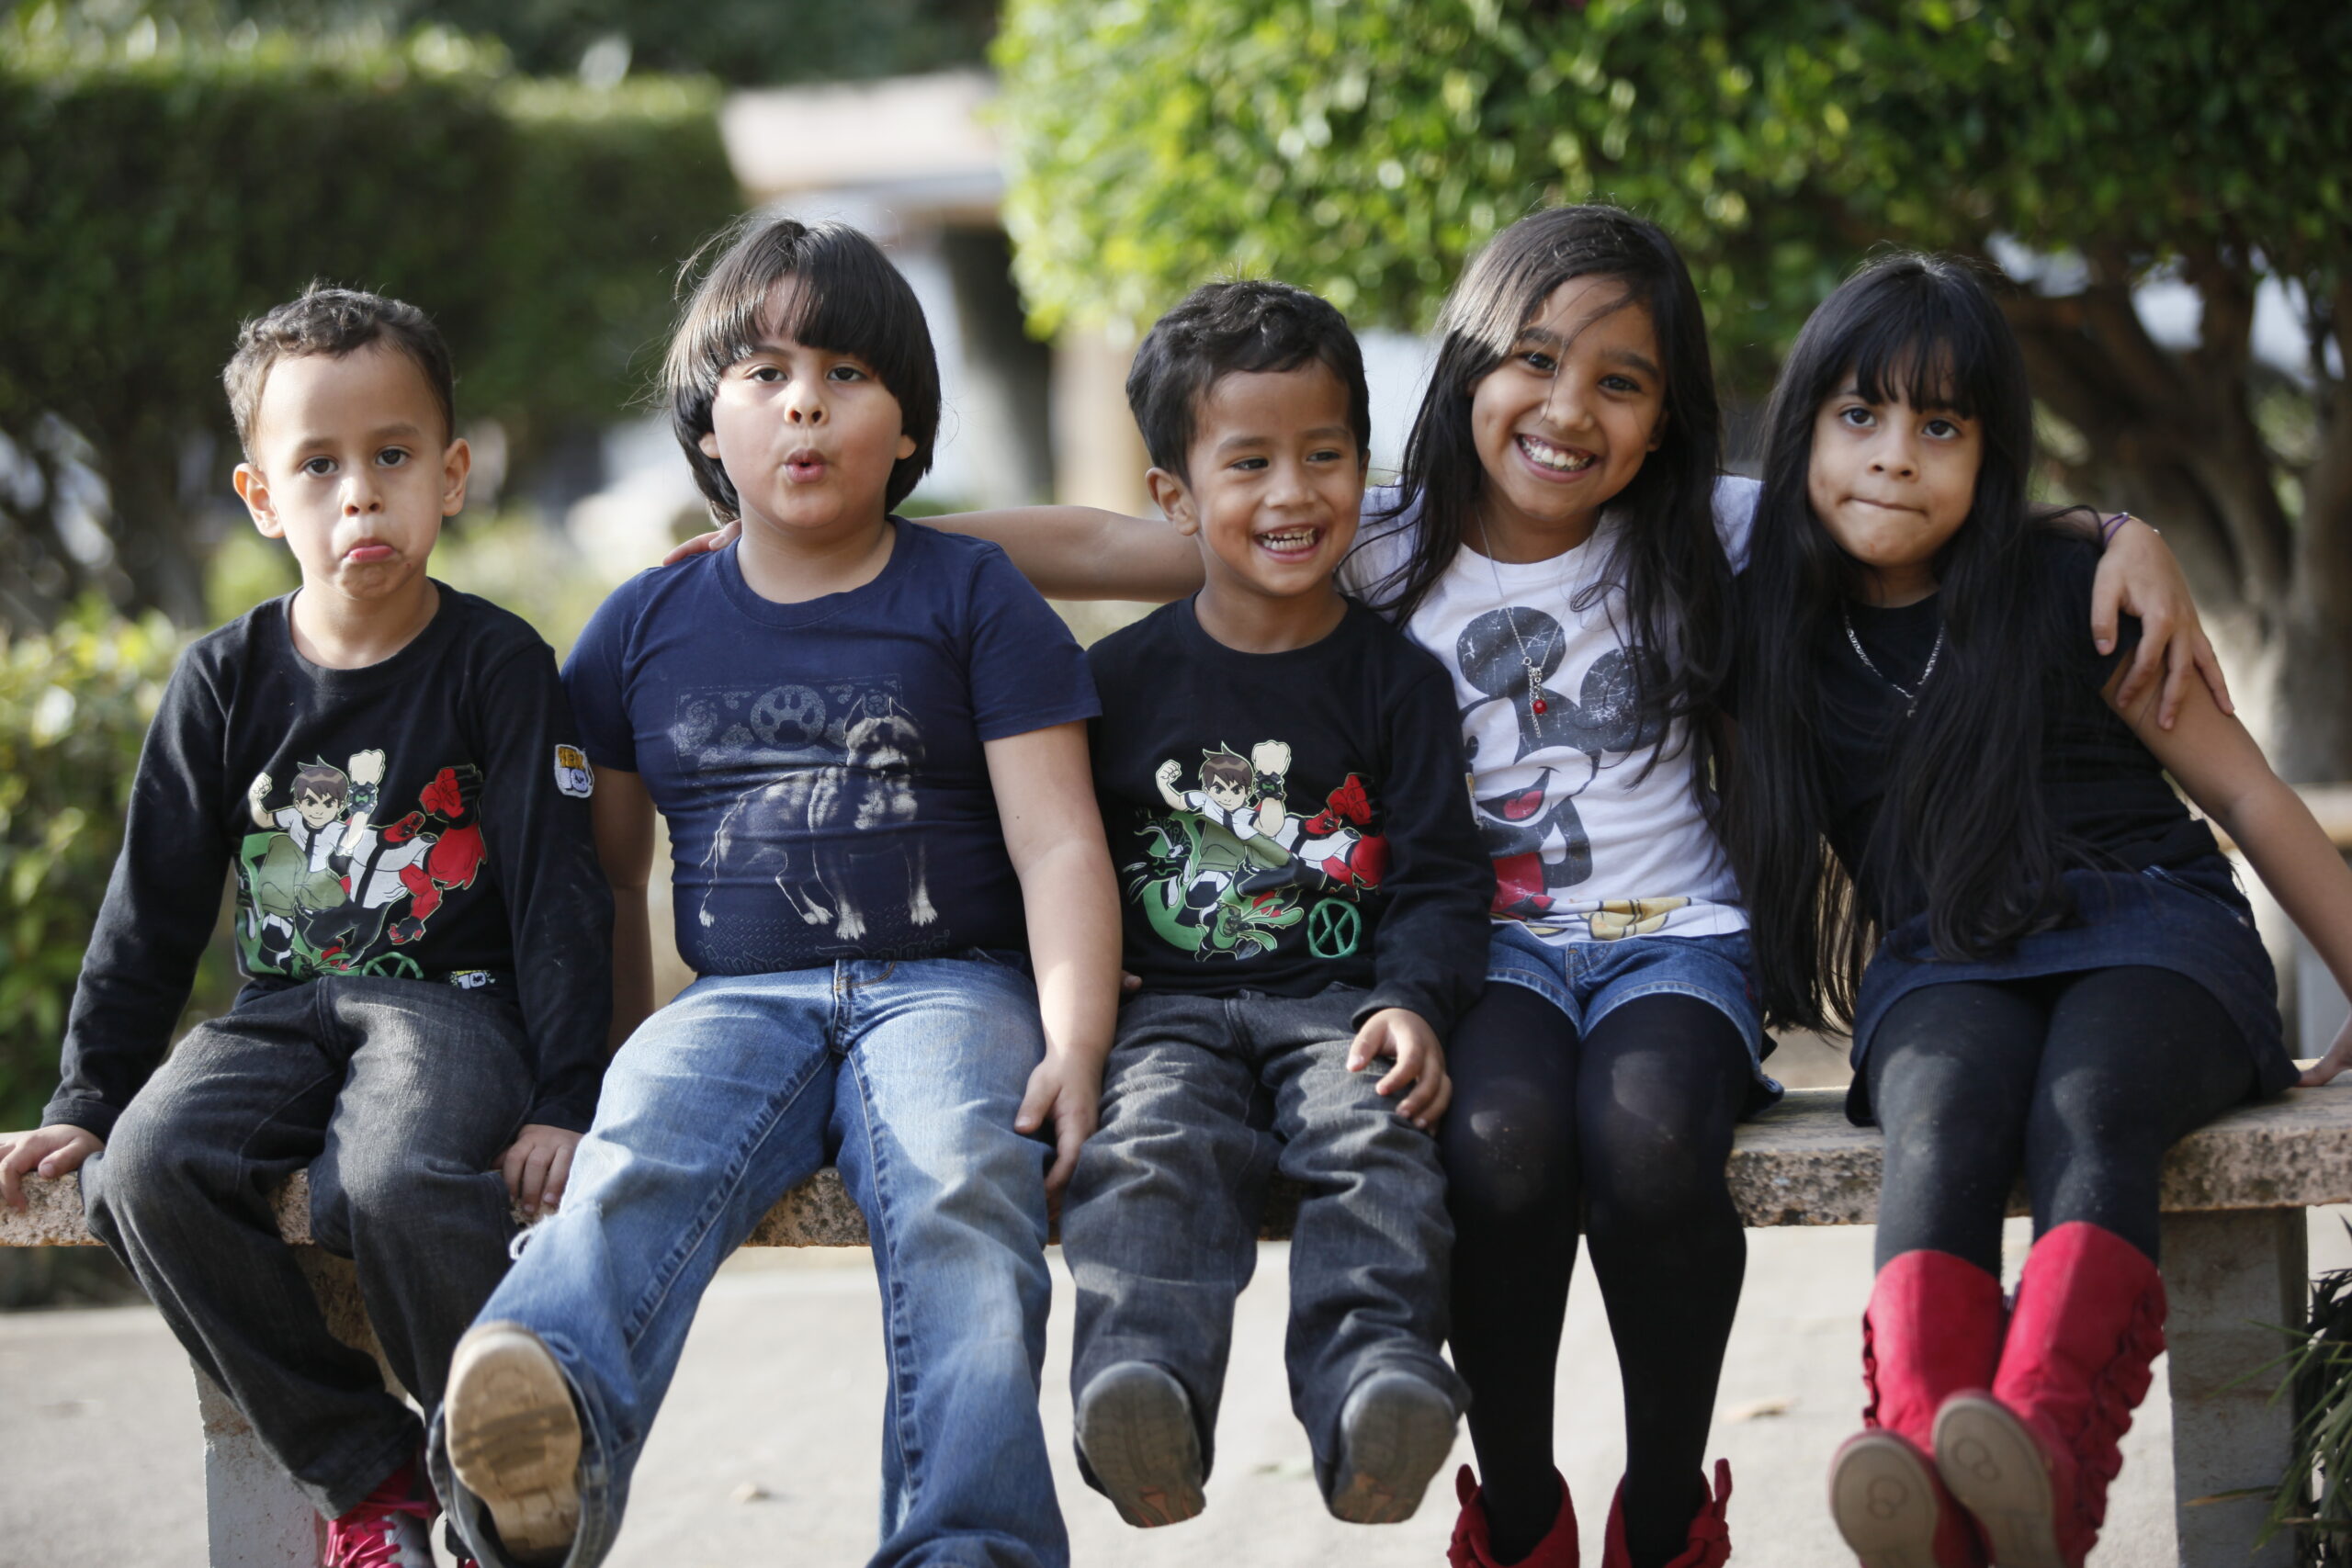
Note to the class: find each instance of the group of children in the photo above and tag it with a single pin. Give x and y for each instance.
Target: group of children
(1457, 839)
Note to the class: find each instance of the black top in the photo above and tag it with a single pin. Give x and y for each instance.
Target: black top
(1285, 821)
(2108, 800)
(425, 817)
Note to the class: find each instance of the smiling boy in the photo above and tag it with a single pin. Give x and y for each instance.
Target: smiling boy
(426, 1079)
(1308, 921)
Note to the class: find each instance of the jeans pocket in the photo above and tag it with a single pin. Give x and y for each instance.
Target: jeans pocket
(2195, 888)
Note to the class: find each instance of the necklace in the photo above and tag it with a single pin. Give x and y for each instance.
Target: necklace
(1910, 694)
(1537, 703)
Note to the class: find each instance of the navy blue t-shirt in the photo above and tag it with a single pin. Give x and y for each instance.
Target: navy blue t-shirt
(819, 764)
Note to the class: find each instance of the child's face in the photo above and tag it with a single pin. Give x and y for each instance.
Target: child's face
(1562, 425)
(353, 469)
(807, 437)
(1892, 484)
(1224, 793)
(1276, 483)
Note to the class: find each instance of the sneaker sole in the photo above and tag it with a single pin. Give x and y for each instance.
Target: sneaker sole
(1991, 1463)
(1135, 1427)
(1394, 1431)
(1884, 1497)
(514, 1437)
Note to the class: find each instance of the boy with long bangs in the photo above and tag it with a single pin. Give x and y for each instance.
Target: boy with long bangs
(1305, 901)
(867, 739)
(396, 1061)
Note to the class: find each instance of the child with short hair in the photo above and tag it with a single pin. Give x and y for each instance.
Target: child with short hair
(1307, 920)
(866, 738)
(420, 921)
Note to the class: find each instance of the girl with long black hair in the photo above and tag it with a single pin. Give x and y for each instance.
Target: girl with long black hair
(1953, 834)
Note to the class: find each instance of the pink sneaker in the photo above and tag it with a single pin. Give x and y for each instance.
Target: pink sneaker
(392, 1528)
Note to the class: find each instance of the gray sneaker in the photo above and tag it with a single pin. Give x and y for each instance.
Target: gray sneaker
(1394, 1431)
(1136, 1433)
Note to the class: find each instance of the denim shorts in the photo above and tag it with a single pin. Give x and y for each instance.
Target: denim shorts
(1589, 980)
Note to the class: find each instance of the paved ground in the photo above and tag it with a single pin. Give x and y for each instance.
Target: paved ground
(766, 1451)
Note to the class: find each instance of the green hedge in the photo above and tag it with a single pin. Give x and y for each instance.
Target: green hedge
(75, 706)
(154, 195)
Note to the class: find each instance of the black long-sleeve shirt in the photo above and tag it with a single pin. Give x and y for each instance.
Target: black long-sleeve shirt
(1283, 821)
(425, 817)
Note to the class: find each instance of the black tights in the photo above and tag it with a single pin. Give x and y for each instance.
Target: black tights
(2082, 1081)
(1624, 1134)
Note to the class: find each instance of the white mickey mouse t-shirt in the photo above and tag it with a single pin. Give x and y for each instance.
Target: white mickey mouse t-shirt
(1589, 844)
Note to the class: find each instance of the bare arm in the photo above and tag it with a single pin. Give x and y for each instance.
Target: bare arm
(622, 814)
(1066, 552)
(2139, 575)
(2217, 763)
(1053, 833)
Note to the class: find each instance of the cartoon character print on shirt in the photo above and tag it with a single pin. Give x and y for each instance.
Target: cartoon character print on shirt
(1535, 835)
(826, 823)
(1228, 869)
(318, 886)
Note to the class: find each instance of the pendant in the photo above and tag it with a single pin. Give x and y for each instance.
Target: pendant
(1537, 705)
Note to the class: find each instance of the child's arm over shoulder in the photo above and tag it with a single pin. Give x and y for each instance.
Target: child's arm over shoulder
(1066, 552)
(2139, 575)
(2221, 768)
(158, 913)
(535, 794)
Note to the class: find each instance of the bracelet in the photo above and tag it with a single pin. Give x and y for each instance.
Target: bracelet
(2106, 528)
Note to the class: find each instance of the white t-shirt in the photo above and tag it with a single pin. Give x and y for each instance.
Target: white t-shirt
(1588, 846)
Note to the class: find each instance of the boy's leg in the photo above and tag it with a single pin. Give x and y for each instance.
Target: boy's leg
(1161, 1225)
(940, 1053)
(182, 1194)
(1373, 1244)
(715, 1107)
(407, 1185)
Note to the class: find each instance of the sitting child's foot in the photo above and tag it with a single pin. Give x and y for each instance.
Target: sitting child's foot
(514, 1438)
(390, 1528)
(1394, 1430)
(1135, 1428)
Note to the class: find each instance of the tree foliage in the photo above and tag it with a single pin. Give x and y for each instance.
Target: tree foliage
(153, 195)
(1365, 148)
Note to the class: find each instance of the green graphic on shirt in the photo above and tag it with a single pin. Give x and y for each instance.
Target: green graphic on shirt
(1332, 928)
(1228, 868)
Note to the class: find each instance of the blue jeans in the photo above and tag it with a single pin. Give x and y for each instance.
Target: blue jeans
(906, 1075)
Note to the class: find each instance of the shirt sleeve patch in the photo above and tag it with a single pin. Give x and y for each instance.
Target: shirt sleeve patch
(574, 776)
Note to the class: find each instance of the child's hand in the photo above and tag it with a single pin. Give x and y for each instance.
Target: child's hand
(53, 1151)
(1420, 1061)
(2138, 575)
(717, 539)
(2338, 1057)
(1069, 1092)
(536, 1165)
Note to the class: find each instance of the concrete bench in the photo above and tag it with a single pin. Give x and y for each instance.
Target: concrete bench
(2234, 1197)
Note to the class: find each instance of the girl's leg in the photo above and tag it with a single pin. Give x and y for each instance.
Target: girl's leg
(1660, 1084)
(1509, 1147)
(2137, 1058)
(1951, 1077)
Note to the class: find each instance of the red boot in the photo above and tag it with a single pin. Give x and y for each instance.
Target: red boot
(1708, 1545)
(1933, 1328)
(2033, 1459)
(1470, 1548)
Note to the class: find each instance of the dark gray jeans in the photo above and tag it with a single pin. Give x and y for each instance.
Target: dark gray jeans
(1203, 1098)
(400, 1096)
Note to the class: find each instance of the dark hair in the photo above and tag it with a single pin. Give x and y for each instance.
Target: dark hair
(322, 778)
(1672, 565)
(1962, 820)
(850, 300)
(1225, 766)
(1225, 329)
(334, 322)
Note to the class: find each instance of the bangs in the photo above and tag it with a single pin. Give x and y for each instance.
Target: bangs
(840, 296)
(1929, 337)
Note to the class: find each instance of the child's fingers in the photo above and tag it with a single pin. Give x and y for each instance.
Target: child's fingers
(1035, 1103)
(510, 1167)
(1066, 1145)
(2107, 601)
(1403, 1070)
(12, 1165)
(1129, 982)
(1440, 1101)
(2147, 665)
(717, 539)
(559, 1176)
(2208, 665)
